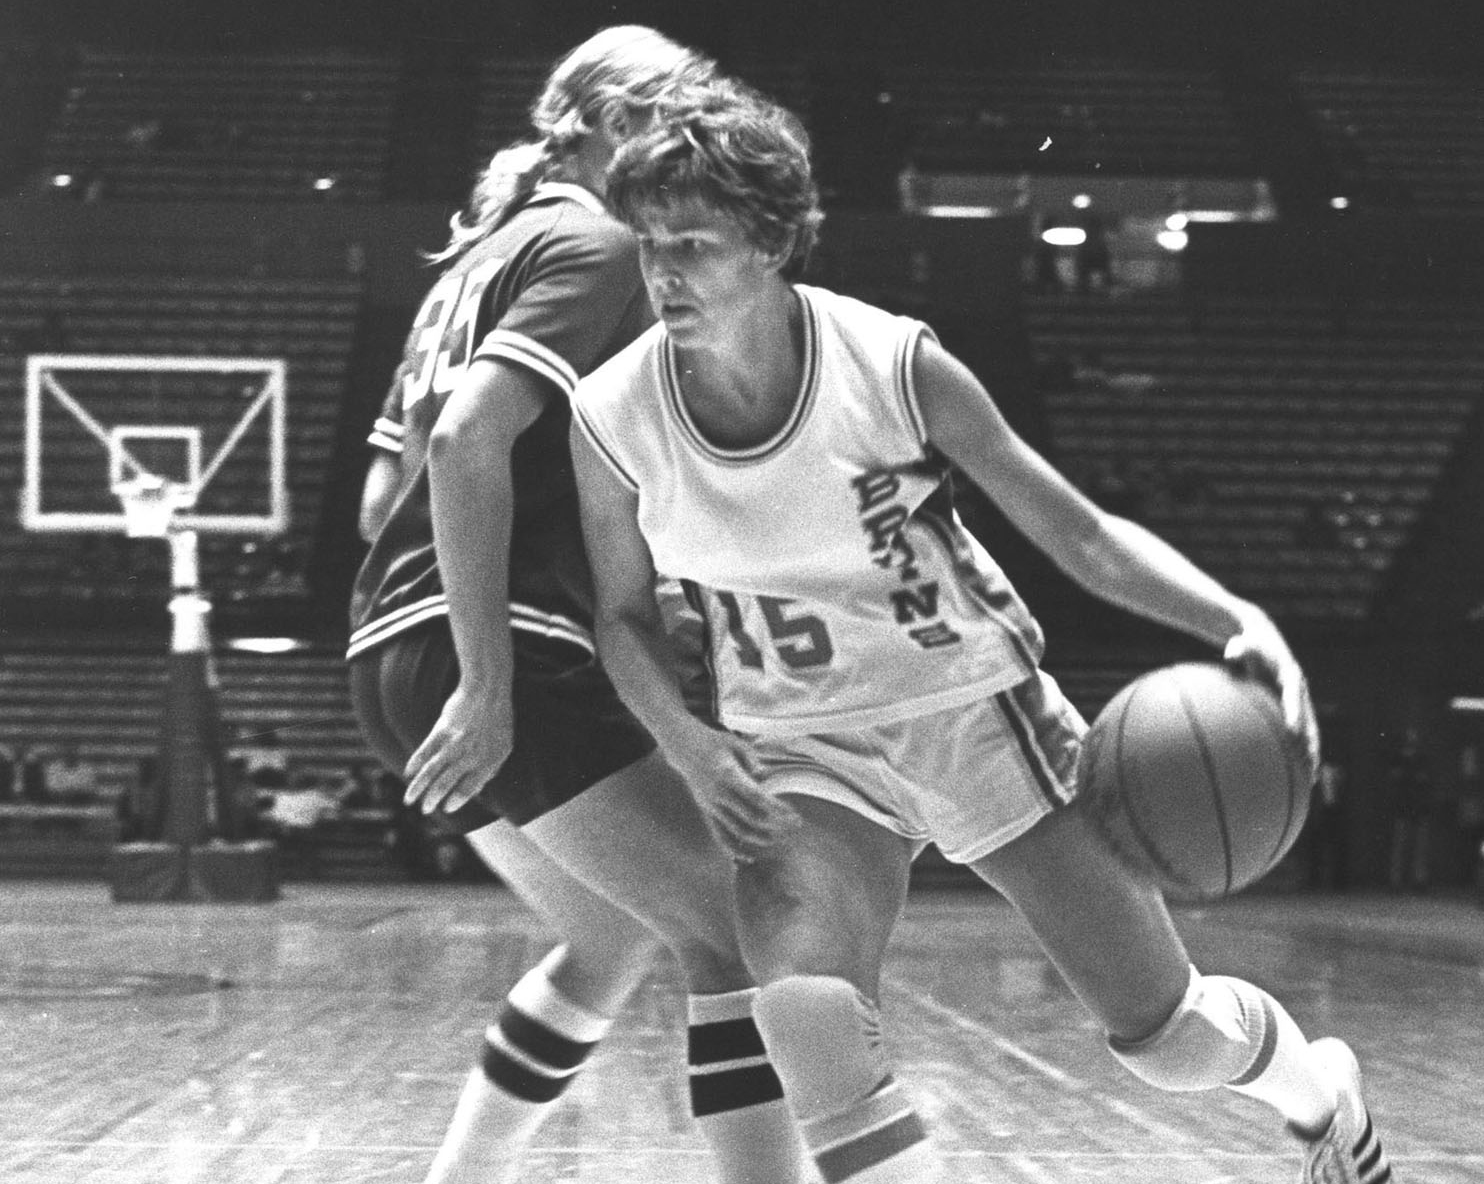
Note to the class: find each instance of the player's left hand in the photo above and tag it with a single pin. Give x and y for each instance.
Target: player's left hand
(1260, 651)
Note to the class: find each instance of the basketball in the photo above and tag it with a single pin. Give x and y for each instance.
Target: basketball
(1189, 772)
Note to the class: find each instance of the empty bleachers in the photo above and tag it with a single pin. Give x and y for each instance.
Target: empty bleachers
(1071, 117)
(1290, 453)
(226, 127)
(107, 702)
(1403, 140)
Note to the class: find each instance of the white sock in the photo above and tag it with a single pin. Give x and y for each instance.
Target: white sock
(736, 1097)
(860, 1126)
(1228, 1032)
(532, 1052)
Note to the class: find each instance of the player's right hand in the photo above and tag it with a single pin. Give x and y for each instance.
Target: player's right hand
(471, 740)
(726, 780)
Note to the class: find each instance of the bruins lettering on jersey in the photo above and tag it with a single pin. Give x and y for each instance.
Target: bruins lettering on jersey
(834, 577)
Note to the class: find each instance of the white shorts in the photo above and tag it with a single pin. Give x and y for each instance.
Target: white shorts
(968, 779)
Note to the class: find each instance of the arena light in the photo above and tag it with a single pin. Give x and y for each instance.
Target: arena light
(1212, 216)
(1081, 201)
(1339, 202)
(958, 211)
(267, 645)
(324, 184)
(1177, 222)
(1172, 240)
(1467, 703)
(62, 180)
(1064, 236)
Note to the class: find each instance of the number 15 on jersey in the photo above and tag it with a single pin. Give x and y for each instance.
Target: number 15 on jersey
(799, 640)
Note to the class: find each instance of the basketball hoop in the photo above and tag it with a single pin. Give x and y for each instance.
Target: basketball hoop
(150, 503)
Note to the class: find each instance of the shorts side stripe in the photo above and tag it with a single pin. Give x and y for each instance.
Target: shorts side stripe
(1030, 749)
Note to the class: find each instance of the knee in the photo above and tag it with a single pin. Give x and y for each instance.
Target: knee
(785, 933)
(1215, 1035)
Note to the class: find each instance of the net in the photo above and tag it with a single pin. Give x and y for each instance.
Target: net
(150, 503)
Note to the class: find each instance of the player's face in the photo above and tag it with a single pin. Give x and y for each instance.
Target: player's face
(701, 270)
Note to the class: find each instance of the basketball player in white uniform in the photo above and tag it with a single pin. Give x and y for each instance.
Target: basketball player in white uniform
(784, 452)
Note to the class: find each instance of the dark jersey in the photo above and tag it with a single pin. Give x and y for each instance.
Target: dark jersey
(556, 289)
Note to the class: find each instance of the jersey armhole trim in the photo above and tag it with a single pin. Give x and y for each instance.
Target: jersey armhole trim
(527, 352)
(906, 385)
(593, 435)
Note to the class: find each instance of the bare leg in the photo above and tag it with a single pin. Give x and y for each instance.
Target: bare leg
(638, 838)
(1108, 933)
(815, 919)
(605, 953)
(1111, 937)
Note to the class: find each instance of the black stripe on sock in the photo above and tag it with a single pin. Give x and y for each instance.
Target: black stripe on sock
(850, 1159)
(541, 1043)
(1265, 1051)
(733, 1089)
(516, 1079)
(725, 1040)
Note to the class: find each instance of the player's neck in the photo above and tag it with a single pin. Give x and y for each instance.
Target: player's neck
(739, 392)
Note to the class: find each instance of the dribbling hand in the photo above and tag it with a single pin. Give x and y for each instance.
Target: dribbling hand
(1260, 651)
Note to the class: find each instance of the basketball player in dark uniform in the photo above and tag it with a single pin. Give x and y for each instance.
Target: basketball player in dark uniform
(472, 660)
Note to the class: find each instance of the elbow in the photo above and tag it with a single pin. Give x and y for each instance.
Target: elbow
(369, 524)
(443, 442)
(608, 625)
(1088, 553)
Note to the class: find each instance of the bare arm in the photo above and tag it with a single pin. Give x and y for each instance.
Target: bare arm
(1108, 555)
(383, 479)
(473, 499)
(637, 656)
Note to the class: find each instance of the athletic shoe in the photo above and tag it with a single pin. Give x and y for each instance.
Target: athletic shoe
(1348, 1151)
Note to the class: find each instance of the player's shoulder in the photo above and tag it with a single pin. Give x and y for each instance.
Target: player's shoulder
(852, 314)
(623, 375)
(574, 219)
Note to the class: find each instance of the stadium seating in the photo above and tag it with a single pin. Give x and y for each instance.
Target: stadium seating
(214, 127)
(1400, 140)
(1289, 453)
(1069, 117)
(107, 698)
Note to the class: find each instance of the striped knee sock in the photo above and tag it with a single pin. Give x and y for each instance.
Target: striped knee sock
(532, 1052)
(879, 1140)
(540, 1040)
(858, 1123)
(736, 1097)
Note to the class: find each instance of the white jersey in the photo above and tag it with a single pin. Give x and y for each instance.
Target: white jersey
(838, 585)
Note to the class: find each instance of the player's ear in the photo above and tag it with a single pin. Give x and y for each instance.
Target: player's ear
(777, 257)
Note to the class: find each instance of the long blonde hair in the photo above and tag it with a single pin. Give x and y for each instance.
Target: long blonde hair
(628, 64)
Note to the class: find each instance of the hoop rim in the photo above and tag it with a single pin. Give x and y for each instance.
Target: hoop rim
(150, 503)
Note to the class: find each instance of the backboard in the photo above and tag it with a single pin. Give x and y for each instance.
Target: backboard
(212, 428)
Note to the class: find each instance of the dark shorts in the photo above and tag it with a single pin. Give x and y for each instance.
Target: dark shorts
(571, 730)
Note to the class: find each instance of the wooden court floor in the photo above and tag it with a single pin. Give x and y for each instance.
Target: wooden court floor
(323, 1038)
